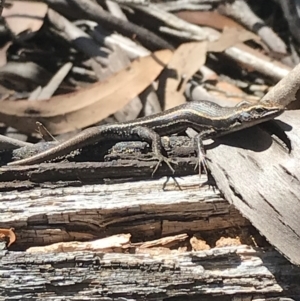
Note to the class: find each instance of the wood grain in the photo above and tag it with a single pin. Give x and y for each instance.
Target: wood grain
(232, 273)
(261, 179)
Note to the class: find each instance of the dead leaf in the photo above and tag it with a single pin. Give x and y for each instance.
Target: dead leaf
(24, 16)
(229, 92)
(206, 18)
(85, 107)
(8, 233)
(186, 61)
(230, 37)
(233, 32)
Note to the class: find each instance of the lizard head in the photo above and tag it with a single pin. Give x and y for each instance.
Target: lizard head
(258, 113)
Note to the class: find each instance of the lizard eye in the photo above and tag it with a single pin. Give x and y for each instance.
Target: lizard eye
(260, 110)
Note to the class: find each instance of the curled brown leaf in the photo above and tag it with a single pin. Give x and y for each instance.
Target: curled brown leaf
(8, 233)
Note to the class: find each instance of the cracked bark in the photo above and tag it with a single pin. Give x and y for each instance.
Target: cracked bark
(261, 179)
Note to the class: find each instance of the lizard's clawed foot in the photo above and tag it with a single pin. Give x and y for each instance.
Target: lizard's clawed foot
(201, 155)
(168, 161)
(201, 162)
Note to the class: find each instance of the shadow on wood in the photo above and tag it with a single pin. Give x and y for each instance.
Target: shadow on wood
(261, 179)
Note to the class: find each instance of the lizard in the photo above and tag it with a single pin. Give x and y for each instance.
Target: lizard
(208, 118)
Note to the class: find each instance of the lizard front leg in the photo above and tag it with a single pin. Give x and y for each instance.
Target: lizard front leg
(148, 134)
(199, 146)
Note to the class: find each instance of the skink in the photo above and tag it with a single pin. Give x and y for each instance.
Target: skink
(208, 118)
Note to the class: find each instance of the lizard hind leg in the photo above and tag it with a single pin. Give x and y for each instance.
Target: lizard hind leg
(148, 134)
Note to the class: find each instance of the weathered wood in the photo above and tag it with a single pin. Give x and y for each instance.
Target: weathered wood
(146, 209)
(188, 276)
(261, 179)
(125, 160)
